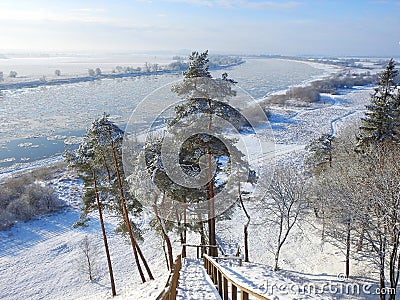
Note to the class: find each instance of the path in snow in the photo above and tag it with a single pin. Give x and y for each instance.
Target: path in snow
(194, 282)
(294, 125)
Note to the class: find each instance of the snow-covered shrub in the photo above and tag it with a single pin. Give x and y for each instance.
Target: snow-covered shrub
(12, 74)
(91, 72)
(24, 198)
(305, 94)
(6, 220)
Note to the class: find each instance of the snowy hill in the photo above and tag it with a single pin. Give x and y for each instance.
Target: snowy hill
(41, 259)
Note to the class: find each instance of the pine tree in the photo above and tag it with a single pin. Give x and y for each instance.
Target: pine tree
(321, 151)
(382, 120)
(88, 166)
(198, 65)
(192, 161)
(206, 102)
(99, 160)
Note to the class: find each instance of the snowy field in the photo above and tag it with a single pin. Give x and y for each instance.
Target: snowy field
(42, 259)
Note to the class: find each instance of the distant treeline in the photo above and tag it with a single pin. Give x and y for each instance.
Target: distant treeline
(341, 62)
(180, 64)
(216, 62)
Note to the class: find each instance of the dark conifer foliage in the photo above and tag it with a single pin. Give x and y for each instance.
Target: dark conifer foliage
(382, 120)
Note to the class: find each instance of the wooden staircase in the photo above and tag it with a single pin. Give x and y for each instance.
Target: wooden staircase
(226, 287)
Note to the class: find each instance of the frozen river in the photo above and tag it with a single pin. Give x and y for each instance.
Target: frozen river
(37, 123)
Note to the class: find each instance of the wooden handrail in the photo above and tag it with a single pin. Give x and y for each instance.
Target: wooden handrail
(201, 246)
(169, 292)
(221, 279)
(229, 258)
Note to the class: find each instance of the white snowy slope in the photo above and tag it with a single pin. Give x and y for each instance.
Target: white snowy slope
(41, 259)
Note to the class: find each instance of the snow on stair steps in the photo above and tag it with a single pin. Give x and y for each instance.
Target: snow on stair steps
(194, 283)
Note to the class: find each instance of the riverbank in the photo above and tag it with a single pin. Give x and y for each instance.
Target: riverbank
(27, 83)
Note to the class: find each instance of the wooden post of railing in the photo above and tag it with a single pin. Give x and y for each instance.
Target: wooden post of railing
(234, 292)
(183, 250)
(221, 281)
(245, 295)
(225, 295)
(214, 274)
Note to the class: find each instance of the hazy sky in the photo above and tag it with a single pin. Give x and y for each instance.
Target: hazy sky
(348, 27)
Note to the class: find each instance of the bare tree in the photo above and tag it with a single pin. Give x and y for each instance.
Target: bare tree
(154, 67)
(89, 255)
(336, 194)
(380, 215)
(362, 201)
(147, 67)
(284, 204)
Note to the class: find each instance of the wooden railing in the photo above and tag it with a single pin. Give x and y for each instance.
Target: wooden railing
(238, 258)
(222, 282)
(203, 247)
(169, 292)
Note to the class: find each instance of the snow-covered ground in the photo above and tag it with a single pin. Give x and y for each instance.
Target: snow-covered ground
(194, 282)
(41, 259)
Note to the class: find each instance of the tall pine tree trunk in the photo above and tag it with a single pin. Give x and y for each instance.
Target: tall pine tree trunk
(126, 215)
(245, 229)
(211, 222)
(203, 238)
(103, 230)
(184, 222)
(182, 234)
(211, 217)
(164, 234)
(146, 265)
